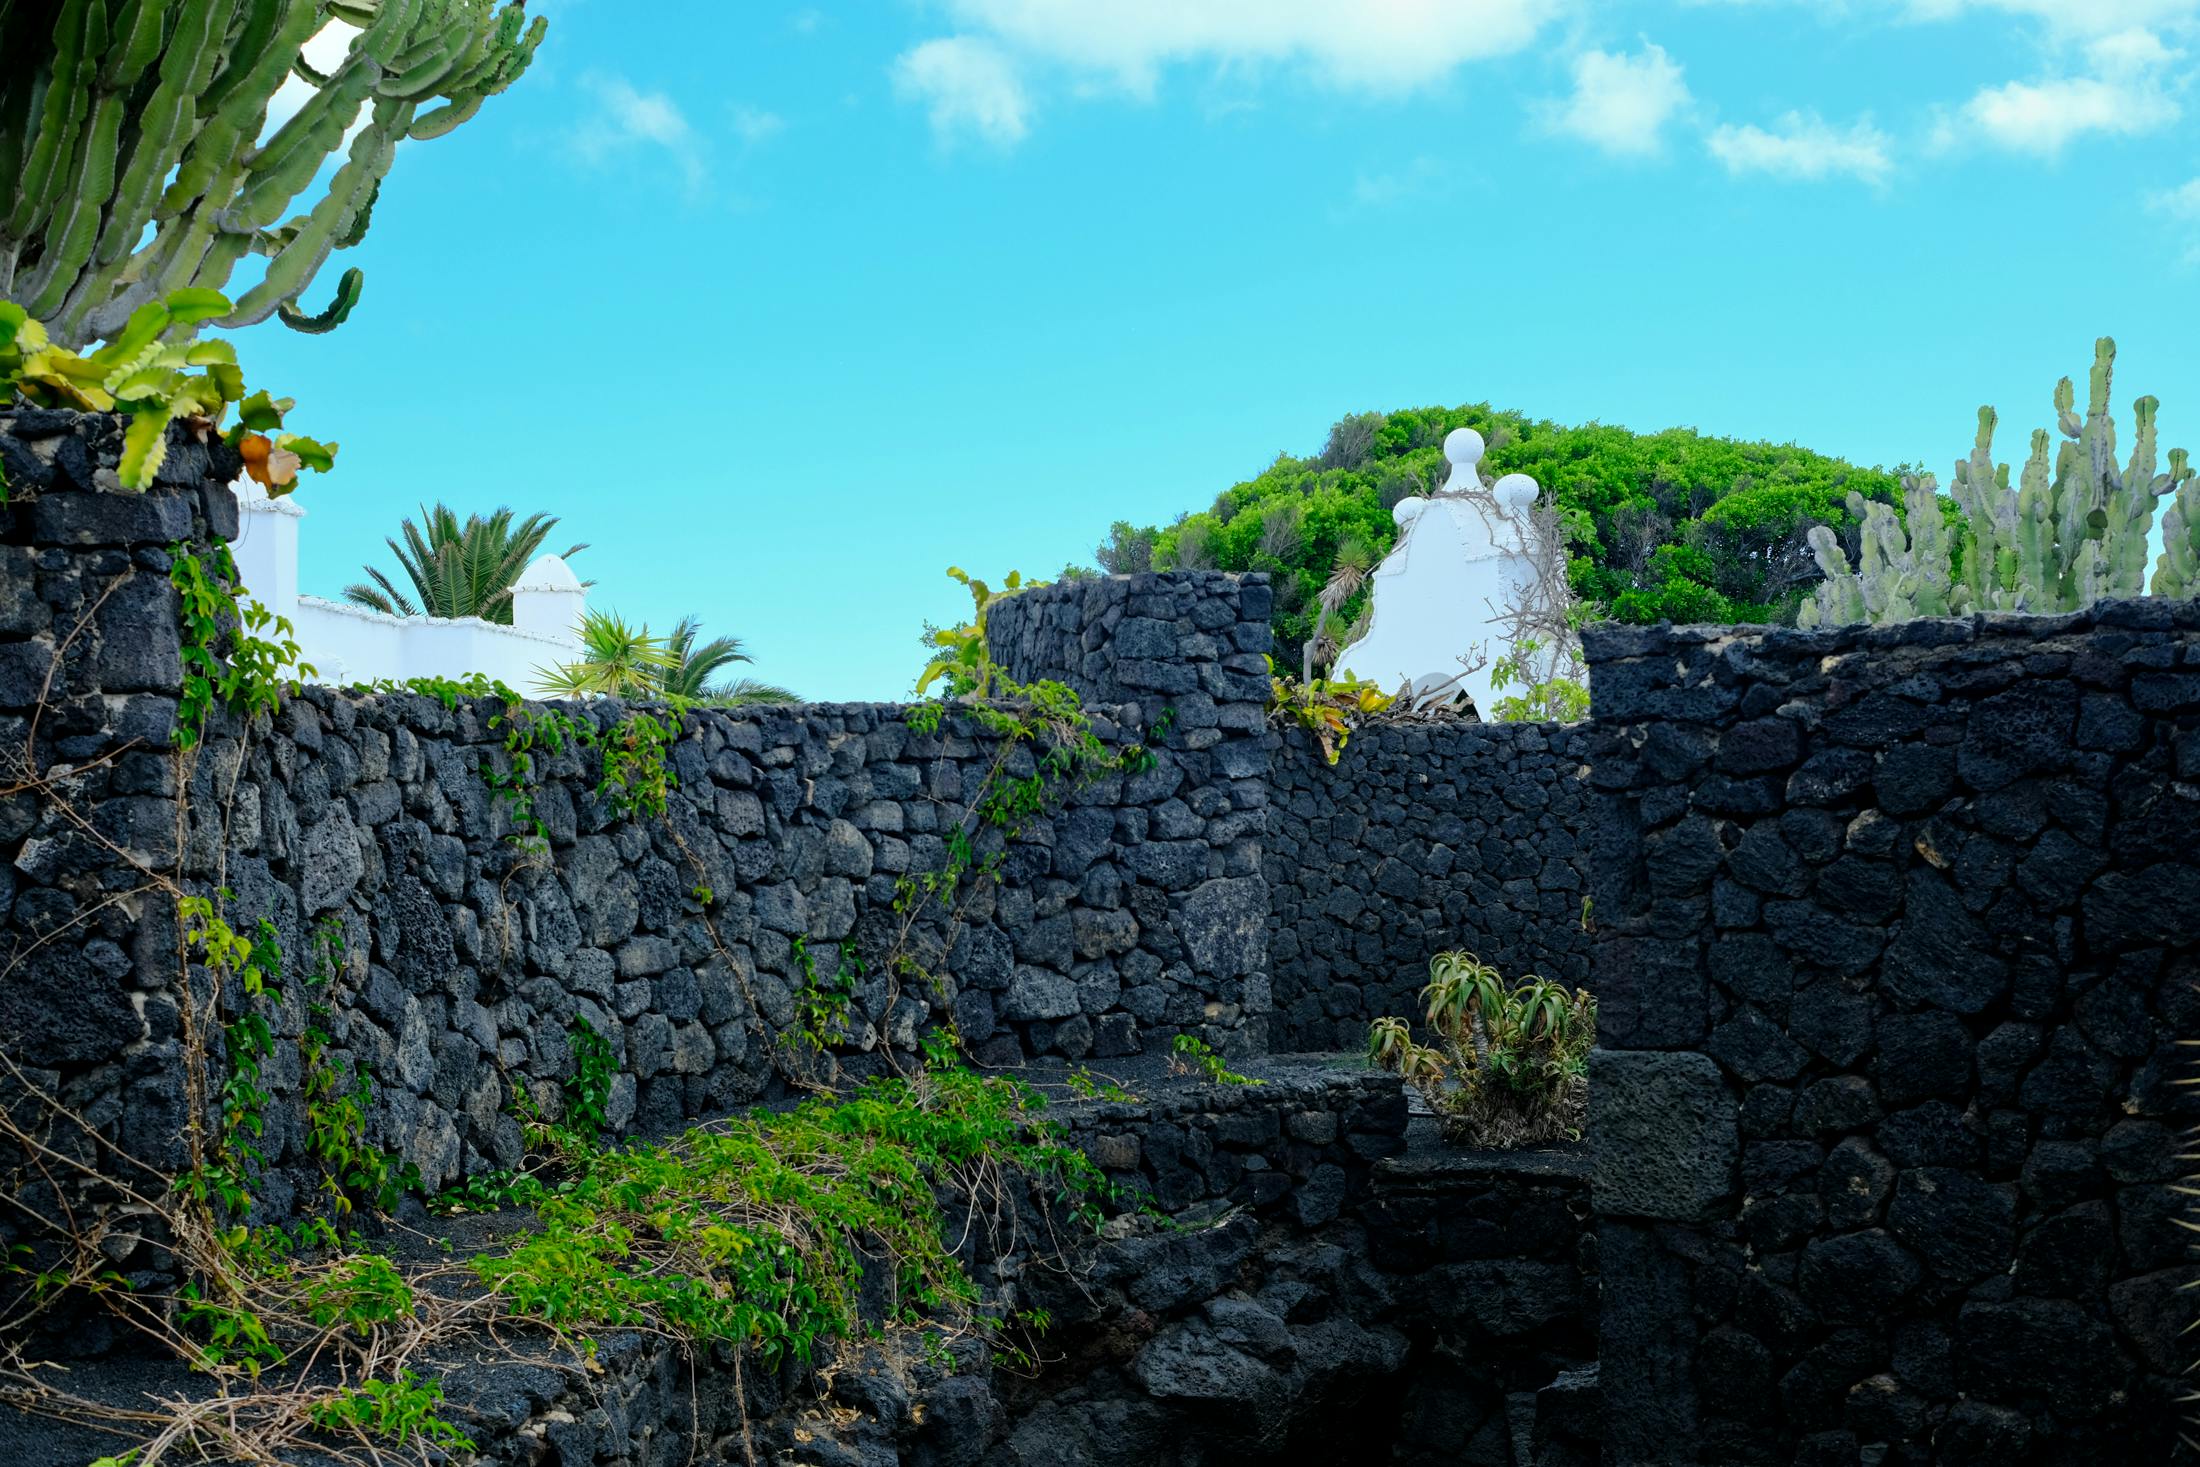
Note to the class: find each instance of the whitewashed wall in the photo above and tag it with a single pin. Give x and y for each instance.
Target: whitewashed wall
(349, 644)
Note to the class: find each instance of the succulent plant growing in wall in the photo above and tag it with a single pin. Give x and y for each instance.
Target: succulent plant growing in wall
(2060, 540)
(131, 164)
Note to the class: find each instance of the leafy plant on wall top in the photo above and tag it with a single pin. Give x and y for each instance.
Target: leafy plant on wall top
(457, 569)
(155, 374)
(2058, 541)
(131, 164)
(960, 656)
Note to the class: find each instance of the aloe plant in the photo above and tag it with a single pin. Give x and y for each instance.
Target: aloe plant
(1511, 1063)
(131, 164)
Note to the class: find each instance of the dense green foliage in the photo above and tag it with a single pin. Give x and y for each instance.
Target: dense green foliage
(1673, 525)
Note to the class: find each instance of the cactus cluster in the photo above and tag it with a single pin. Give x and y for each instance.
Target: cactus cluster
(2058, 541)
(130, 160)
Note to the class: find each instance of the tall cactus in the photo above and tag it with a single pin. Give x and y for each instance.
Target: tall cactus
(130, 165)
(2059, 541)
(1902, 568)
(2177, 573)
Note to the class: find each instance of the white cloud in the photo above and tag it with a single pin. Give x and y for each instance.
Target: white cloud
(967, 86)
(982, 77)
(1376, 44)
(2124, 91)
(754, 126)
(2182, 202)
(1620, 103)
(627, 118)
(1803, 146)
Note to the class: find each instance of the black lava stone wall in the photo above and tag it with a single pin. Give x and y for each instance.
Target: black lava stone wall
(1131, 910)
(1896, 936)
(1194, 642)
(1118, 921)
(90, 670)
(1423, 836)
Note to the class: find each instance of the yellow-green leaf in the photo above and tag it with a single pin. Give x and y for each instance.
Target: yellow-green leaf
(196, 303)
(311, 452)
(143, 328)
(261, 413)
(144, 446)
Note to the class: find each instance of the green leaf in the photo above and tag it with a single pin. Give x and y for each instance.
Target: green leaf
(145, 446)
(196, 303)
(312, 453)
(152, 384)
(207, 353)
(144, 327)
(261, 413)
(13, 318)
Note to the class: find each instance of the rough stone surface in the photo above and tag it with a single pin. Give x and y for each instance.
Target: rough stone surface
(1940, 959)
(1424, 836)
(1665, 1147)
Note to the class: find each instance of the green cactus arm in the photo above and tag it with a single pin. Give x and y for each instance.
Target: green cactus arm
(134, 42)
(236, 110)
(280, 170)
(75, 228)
(292, 268)
(68, 98)
(333, 315)
(2177, 573)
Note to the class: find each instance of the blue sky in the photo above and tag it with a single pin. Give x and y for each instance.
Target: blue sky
(785, 309)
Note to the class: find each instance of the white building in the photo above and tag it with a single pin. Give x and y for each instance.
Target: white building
(350, 644)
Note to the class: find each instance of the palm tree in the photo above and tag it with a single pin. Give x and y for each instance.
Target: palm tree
(690, 673)
(617, 660)
(1355, 562)
(457, 569)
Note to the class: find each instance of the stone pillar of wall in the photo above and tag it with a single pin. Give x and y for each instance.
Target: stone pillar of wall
(1188, 649)
(1898, 930)
(90, 672)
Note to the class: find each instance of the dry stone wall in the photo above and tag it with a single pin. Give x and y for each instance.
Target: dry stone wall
(1424, 836)
(1899, 930)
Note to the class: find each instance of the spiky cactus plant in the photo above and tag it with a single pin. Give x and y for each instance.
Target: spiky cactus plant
(1902, 566)
(130, 160)
(2059, 541)
(2177, 573)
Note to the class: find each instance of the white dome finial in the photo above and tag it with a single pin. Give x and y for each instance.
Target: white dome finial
(1464, 448)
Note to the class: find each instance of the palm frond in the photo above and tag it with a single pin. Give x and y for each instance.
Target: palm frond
(746, 692)
(617, 660)
(463, 568)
